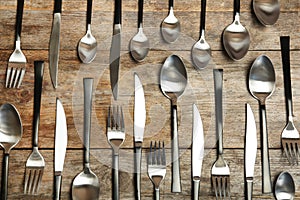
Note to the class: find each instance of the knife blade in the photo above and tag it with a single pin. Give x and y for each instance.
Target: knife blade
(55, 42)
(61, 138)
(197, 150)
(139, 127)
(250, 150)
(114, 57)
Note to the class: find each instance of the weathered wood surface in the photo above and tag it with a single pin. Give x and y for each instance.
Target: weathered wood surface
(37, 22)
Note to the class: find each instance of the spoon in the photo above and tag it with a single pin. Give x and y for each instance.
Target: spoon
(266, 11)
(87, 47)
(173, 81)
(170, 27)
(201, 53)
(86, 184)
(236, 38)
(261, 86)
(285, 186)
(10, 134)
(139, 44)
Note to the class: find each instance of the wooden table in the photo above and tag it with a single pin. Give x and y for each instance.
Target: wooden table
(37, 22)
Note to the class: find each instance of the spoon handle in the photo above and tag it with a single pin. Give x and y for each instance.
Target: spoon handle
(118, 12)
(285, 56)
(236, 6)
(4, 177)
(88, 91)
(20, 7)
(140, 13)
(171, 4)
(218, 83)
(89, 12)
(38, 86)
(202, 19)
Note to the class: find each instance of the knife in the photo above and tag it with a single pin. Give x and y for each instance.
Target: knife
(197, 150)
(54, 42)
(61, 137)
(114, 57)
(250, 150)
(139, 126)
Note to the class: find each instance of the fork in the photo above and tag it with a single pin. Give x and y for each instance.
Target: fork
(220, 170)
(290, 136)
(157, 166)
(35, 163)
(17, 61)
(116, 137)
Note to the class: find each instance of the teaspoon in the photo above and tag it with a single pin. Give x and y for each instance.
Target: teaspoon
(170, 27)
(285, 187)
(266, 11)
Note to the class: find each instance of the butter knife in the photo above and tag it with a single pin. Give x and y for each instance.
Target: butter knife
(250, 150)
(55, 42)
(197, 150)
(61, 137)
(139, 127)
(114, 57)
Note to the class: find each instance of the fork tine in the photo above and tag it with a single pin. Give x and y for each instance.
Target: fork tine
(287, 151)
(8, 74)
(16, 79)
(23, 70)
(122, 119)
(163, 154)
(109, 118)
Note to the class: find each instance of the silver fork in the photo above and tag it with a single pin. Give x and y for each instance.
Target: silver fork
(35, 163)
(17, 61)
(220, 171)
(157, 166)
(290, 136)
(116, 137)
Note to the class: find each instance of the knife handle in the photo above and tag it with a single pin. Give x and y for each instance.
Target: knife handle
(118, 12)
(196, 188)
(138, 161)
(89, 12)
(176, 185)
(57, 187)
(88, 92)
(285, 56)
(38, 85)
(20, 7)
(249, 188)
(57, 6)
(140, 13)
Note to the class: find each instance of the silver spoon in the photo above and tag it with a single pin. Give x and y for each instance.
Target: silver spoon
(173, 81)
(10, 134)
(261, 86)
(285, 187)
(236, 38)
(87, 47)
(139, 44)
(170, 27)
(266, 11)
(86, 184)
(201, 53)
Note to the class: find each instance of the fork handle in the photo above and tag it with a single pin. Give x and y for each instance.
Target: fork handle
(285, 56)
(156, 193)
(38, 85)
(249, 188)
(116, 177)
(57, 186)
(20, 7)
(4, 177)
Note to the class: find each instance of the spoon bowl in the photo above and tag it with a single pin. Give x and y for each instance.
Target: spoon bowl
(170, 27)
(266, 11)
(139, 46)
(285, 186)
(10, 134)
(87, 47)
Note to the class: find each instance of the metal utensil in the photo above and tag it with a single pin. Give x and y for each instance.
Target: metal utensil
(201, 52)
(261, 85)
(157, 166)
(35, 163)
(17, 61)
(114, 57)
(173, 81)
(285, 187)
(266, 11)
(55, 42)
(250, 151)
(170, 27)
(139, 44)
(86, 184)
(87, 47)
(11, 131)
(197, 150)
(236, 38)
(290, 138)
(139, 127)
(220, 172)
(61, 140)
